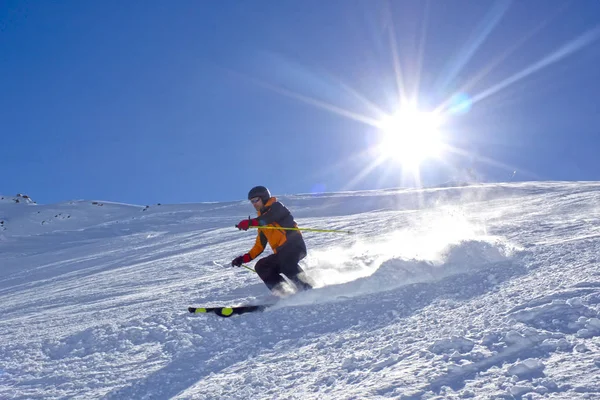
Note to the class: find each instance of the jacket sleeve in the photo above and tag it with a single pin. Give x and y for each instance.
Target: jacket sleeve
(276, 213)
(259, 246)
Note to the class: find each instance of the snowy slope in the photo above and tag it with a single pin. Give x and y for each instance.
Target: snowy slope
(489, 291)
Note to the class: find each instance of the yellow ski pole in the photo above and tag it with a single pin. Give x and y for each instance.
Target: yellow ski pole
(221, 265)
(303, 229)
(248, 268)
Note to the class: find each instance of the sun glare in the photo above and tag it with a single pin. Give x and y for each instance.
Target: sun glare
(410, 137)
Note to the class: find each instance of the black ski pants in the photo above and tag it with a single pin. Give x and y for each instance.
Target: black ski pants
(285, 262)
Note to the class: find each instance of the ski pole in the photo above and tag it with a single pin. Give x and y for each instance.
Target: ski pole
(248, 268)
(221, 265)
(302, 229)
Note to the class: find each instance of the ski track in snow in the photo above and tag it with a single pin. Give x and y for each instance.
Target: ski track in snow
(489, 291)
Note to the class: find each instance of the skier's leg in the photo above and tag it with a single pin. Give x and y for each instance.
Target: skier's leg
(302, 281)
(289, 258)
(268, 270)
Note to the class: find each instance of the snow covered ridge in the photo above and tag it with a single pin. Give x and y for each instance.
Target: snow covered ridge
(488, 292)
(18, 199)
(80, 215)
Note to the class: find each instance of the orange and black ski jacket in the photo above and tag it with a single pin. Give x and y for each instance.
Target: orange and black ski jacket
(275, 214)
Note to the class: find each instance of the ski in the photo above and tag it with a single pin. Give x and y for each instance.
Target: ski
(226, 312)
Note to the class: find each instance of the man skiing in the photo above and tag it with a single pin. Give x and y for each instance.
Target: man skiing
(288, 245)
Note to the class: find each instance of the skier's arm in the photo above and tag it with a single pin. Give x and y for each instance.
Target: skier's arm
(259, 246)
(276, 213)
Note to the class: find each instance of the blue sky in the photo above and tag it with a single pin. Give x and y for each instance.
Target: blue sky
(156, 101)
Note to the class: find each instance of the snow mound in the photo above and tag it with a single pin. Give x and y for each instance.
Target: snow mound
(17, 199)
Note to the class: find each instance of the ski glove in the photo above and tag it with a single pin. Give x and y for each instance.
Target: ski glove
(247, 223)
(238, 261)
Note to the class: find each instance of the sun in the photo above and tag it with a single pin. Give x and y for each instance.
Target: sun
(411, 136)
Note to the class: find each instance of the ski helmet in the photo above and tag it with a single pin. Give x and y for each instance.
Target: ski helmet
(261, 192)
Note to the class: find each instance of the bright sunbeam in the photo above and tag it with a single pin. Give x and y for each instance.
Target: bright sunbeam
(565, 50)
(410, 137)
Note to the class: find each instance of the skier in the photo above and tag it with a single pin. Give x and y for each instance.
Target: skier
(288, 245)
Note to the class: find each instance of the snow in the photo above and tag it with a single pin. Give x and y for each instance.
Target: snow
(485, 291)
